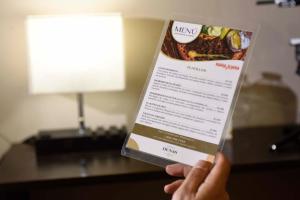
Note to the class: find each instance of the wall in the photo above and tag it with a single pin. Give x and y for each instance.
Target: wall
(22, 115)
(4, 146)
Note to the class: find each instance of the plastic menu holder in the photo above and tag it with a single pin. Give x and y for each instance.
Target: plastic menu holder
(191, 91)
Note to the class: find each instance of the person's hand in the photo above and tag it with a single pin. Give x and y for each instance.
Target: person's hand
(202, 182)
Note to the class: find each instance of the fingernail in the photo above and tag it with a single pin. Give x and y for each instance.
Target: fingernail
(166, 188)
(167, 167)
(169, 170)
(203, 164)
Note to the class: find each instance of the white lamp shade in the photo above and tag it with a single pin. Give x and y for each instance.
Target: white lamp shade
(75, 53)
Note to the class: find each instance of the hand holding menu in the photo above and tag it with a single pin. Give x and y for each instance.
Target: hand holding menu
(192, 89)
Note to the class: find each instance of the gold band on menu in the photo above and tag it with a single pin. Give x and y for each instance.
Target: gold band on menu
(175, 139)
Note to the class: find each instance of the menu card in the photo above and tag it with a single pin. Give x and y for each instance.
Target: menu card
(189, 97)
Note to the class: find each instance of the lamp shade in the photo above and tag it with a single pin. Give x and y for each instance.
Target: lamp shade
(75, 53)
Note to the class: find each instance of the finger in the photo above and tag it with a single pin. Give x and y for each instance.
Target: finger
(220, 172)
(178, 170)
(196, 176)
(172, 187)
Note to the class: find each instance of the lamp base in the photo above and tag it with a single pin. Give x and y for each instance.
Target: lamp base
(69, 140)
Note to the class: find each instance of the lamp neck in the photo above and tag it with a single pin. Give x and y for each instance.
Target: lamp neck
(82, 129)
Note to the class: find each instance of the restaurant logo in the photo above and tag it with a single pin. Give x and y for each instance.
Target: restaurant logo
(185, 32)
(170, 150)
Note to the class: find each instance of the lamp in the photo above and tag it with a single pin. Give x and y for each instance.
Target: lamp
(75, 54)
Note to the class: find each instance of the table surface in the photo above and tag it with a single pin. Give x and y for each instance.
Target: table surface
(248, 150)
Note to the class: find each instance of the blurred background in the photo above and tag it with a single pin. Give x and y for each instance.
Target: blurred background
(22, 115)
(270, 96)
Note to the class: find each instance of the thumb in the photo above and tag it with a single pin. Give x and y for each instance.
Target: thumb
(196, 176)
